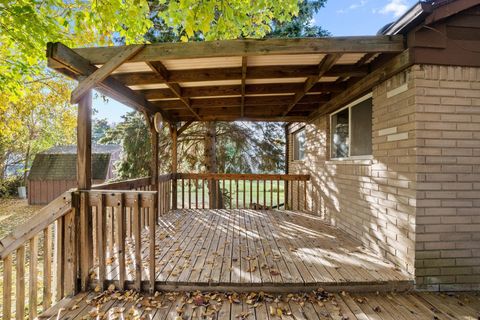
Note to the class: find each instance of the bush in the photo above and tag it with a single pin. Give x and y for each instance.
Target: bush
(9, 186)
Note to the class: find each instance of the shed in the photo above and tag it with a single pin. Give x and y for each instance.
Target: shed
(54, 171)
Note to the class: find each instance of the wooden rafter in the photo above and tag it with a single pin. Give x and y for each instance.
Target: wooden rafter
(60, 54)
(229, 48)
(163, 74)
(244, 77)
(104, 71)
(235, 90)
(184, 127)
(390, 68)
(236, 73)
(325, 65)
(235, 102)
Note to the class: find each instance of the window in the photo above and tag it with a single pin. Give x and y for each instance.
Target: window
(299, 144)
(351, 130)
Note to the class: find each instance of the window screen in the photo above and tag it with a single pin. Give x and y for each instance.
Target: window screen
(351, 131)
(361, 127)
(299, 145)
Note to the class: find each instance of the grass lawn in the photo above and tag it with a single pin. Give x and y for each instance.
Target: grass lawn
(253, 193)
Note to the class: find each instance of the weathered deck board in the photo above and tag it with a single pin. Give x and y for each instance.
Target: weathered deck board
(314, 305)
(245, 250)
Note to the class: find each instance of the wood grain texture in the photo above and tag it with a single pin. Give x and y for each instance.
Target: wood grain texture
(246, 250)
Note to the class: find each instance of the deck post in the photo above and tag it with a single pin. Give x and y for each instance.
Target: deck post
(84, 182)
(154, 162)
(287, 151)
(174, 135)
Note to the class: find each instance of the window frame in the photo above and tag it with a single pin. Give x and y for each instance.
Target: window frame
(294, 134)
(349, 107)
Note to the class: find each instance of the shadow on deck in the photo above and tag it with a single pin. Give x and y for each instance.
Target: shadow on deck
(246, 250)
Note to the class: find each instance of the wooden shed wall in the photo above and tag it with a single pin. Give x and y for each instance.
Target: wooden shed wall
(44, 191)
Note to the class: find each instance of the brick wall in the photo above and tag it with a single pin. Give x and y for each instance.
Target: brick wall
(371, 199)
(417, 201)
(448, 188)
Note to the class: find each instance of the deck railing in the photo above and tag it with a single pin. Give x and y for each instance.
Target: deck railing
(70, 243)
(118, 217)
(241, 191)
(46, 246)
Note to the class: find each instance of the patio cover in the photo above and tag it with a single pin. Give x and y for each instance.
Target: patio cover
(258, 80)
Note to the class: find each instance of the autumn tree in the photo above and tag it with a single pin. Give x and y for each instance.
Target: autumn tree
(26, 26)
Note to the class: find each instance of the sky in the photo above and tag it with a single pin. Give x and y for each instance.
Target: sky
(339, 17)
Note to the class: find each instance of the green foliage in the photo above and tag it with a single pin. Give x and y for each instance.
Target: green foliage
(9, 186)
(133, 135)
(219, 19)
(302, 24)
(99, 129)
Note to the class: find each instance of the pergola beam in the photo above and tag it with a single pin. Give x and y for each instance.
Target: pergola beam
(244, 77)
(325, 65)
(229, 48)
(104, 71)
(163, 74)
(59, 54)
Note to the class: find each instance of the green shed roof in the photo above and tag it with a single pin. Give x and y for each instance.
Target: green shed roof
(60, 163)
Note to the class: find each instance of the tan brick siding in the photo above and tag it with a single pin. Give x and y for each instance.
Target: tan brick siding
(448, 187)
(417, 201)
(370, 199)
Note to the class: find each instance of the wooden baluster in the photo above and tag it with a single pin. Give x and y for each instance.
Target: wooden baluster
(231, 194)
(203, 193)
(111, 241)
(160, 197)
(196, 193)
(264, 193)
(217, 186)
(285, 194)
(189, 193)
(251, 191)
(183, 194)
(244, 193)
(7, 287)
(258, 192)
(298, 194)
(292, 199)
(305, 195)
(278, 194)
(151, 244)
(138, 242)
(121, 242)
(271, 194)
(59, 257)
(47, 268)
(236, 192)
(20, 284)
(86, 239)
(101, 239)
(223, 189)
(33, 285)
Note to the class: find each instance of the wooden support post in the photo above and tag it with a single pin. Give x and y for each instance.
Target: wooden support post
(84, 182)
(154, 165)
(287, 151)
(173, 133)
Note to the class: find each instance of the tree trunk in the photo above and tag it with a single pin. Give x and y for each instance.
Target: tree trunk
(210, 158)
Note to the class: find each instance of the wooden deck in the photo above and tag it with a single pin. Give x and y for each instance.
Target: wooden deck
(315, 305)
(271, 251)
